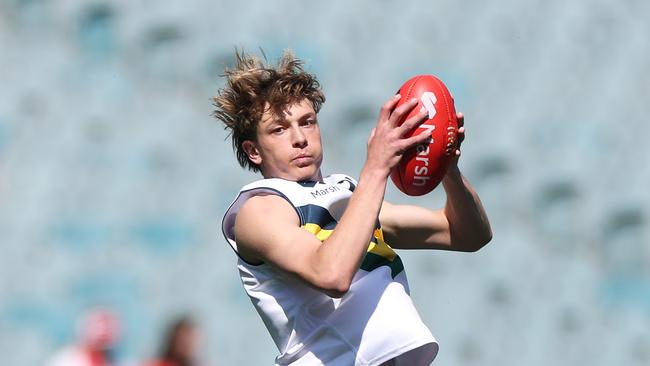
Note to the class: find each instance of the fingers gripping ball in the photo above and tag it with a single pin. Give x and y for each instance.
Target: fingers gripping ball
(422, 168)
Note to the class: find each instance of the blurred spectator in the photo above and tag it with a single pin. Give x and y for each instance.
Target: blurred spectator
(179, 346)
(97, 335)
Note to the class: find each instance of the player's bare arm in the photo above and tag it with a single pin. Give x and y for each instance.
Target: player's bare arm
(267, 227)
(462, 225)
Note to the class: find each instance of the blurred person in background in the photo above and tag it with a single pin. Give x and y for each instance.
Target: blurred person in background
(97, 334)
(179, 346)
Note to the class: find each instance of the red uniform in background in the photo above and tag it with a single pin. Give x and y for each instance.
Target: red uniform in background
(98, 332)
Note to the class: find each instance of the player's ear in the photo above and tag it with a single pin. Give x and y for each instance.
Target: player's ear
(252, 152)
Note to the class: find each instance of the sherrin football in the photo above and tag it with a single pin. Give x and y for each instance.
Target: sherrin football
(422, 168)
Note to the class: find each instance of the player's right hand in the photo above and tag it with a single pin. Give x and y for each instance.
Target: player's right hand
(387, 142)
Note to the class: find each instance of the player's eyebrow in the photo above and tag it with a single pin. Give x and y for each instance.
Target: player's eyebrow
(282, 120)
(307, 115)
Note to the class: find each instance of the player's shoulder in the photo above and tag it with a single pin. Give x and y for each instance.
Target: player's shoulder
(276, 184)
(265, 207)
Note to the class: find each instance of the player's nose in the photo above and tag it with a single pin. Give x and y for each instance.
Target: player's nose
(298, 138)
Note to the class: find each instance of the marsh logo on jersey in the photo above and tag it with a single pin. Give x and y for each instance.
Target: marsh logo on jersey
(323, 191)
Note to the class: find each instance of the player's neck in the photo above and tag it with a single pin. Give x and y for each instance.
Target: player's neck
(316, 177)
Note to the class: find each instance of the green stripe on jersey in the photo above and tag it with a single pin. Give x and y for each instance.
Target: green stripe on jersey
(373, 261)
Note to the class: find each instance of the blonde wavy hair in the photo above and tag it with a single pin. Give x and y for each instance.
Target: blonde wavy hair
(253, 85)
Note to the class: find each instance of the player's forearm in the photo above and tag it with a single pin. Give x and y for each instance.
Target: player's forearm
(344, 250)
(468, 223)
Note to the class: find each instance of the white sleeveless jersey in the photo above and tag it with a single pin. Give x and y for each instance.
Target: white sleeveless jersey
(375, 321)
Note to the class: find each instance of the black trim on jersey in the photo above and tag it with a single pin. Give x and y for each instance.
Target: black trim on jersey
(307, 183)
(373, 261)
(314, 214)
(351, 185)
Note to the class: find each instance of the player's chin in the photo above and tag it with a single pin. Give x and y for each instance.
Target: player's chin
(308, 172)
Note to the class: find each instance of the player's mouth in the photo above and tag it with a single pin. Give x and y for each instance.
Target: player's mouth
(303, 160)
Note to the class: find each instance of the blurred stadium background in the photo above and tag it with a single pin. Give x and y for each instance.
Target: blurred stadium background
(114, 176)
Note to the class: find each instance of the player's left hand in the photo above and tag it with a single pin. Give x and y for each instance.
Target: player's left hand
(452, 170)
(461, 135)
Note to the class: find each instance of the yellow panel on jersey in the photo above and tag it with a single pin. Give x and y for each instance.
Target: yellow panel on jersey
(381, 248)
(320, 233)
(381, 254)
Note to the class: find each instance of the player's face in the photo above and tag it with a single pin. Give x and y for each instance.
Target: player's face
(288, 146)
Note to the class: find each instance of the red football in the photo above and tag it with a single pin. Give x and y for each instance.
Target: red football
(422, 168)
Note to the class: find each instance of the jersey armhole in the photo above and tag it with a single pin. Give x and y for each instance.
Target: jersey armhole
(228, 221)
